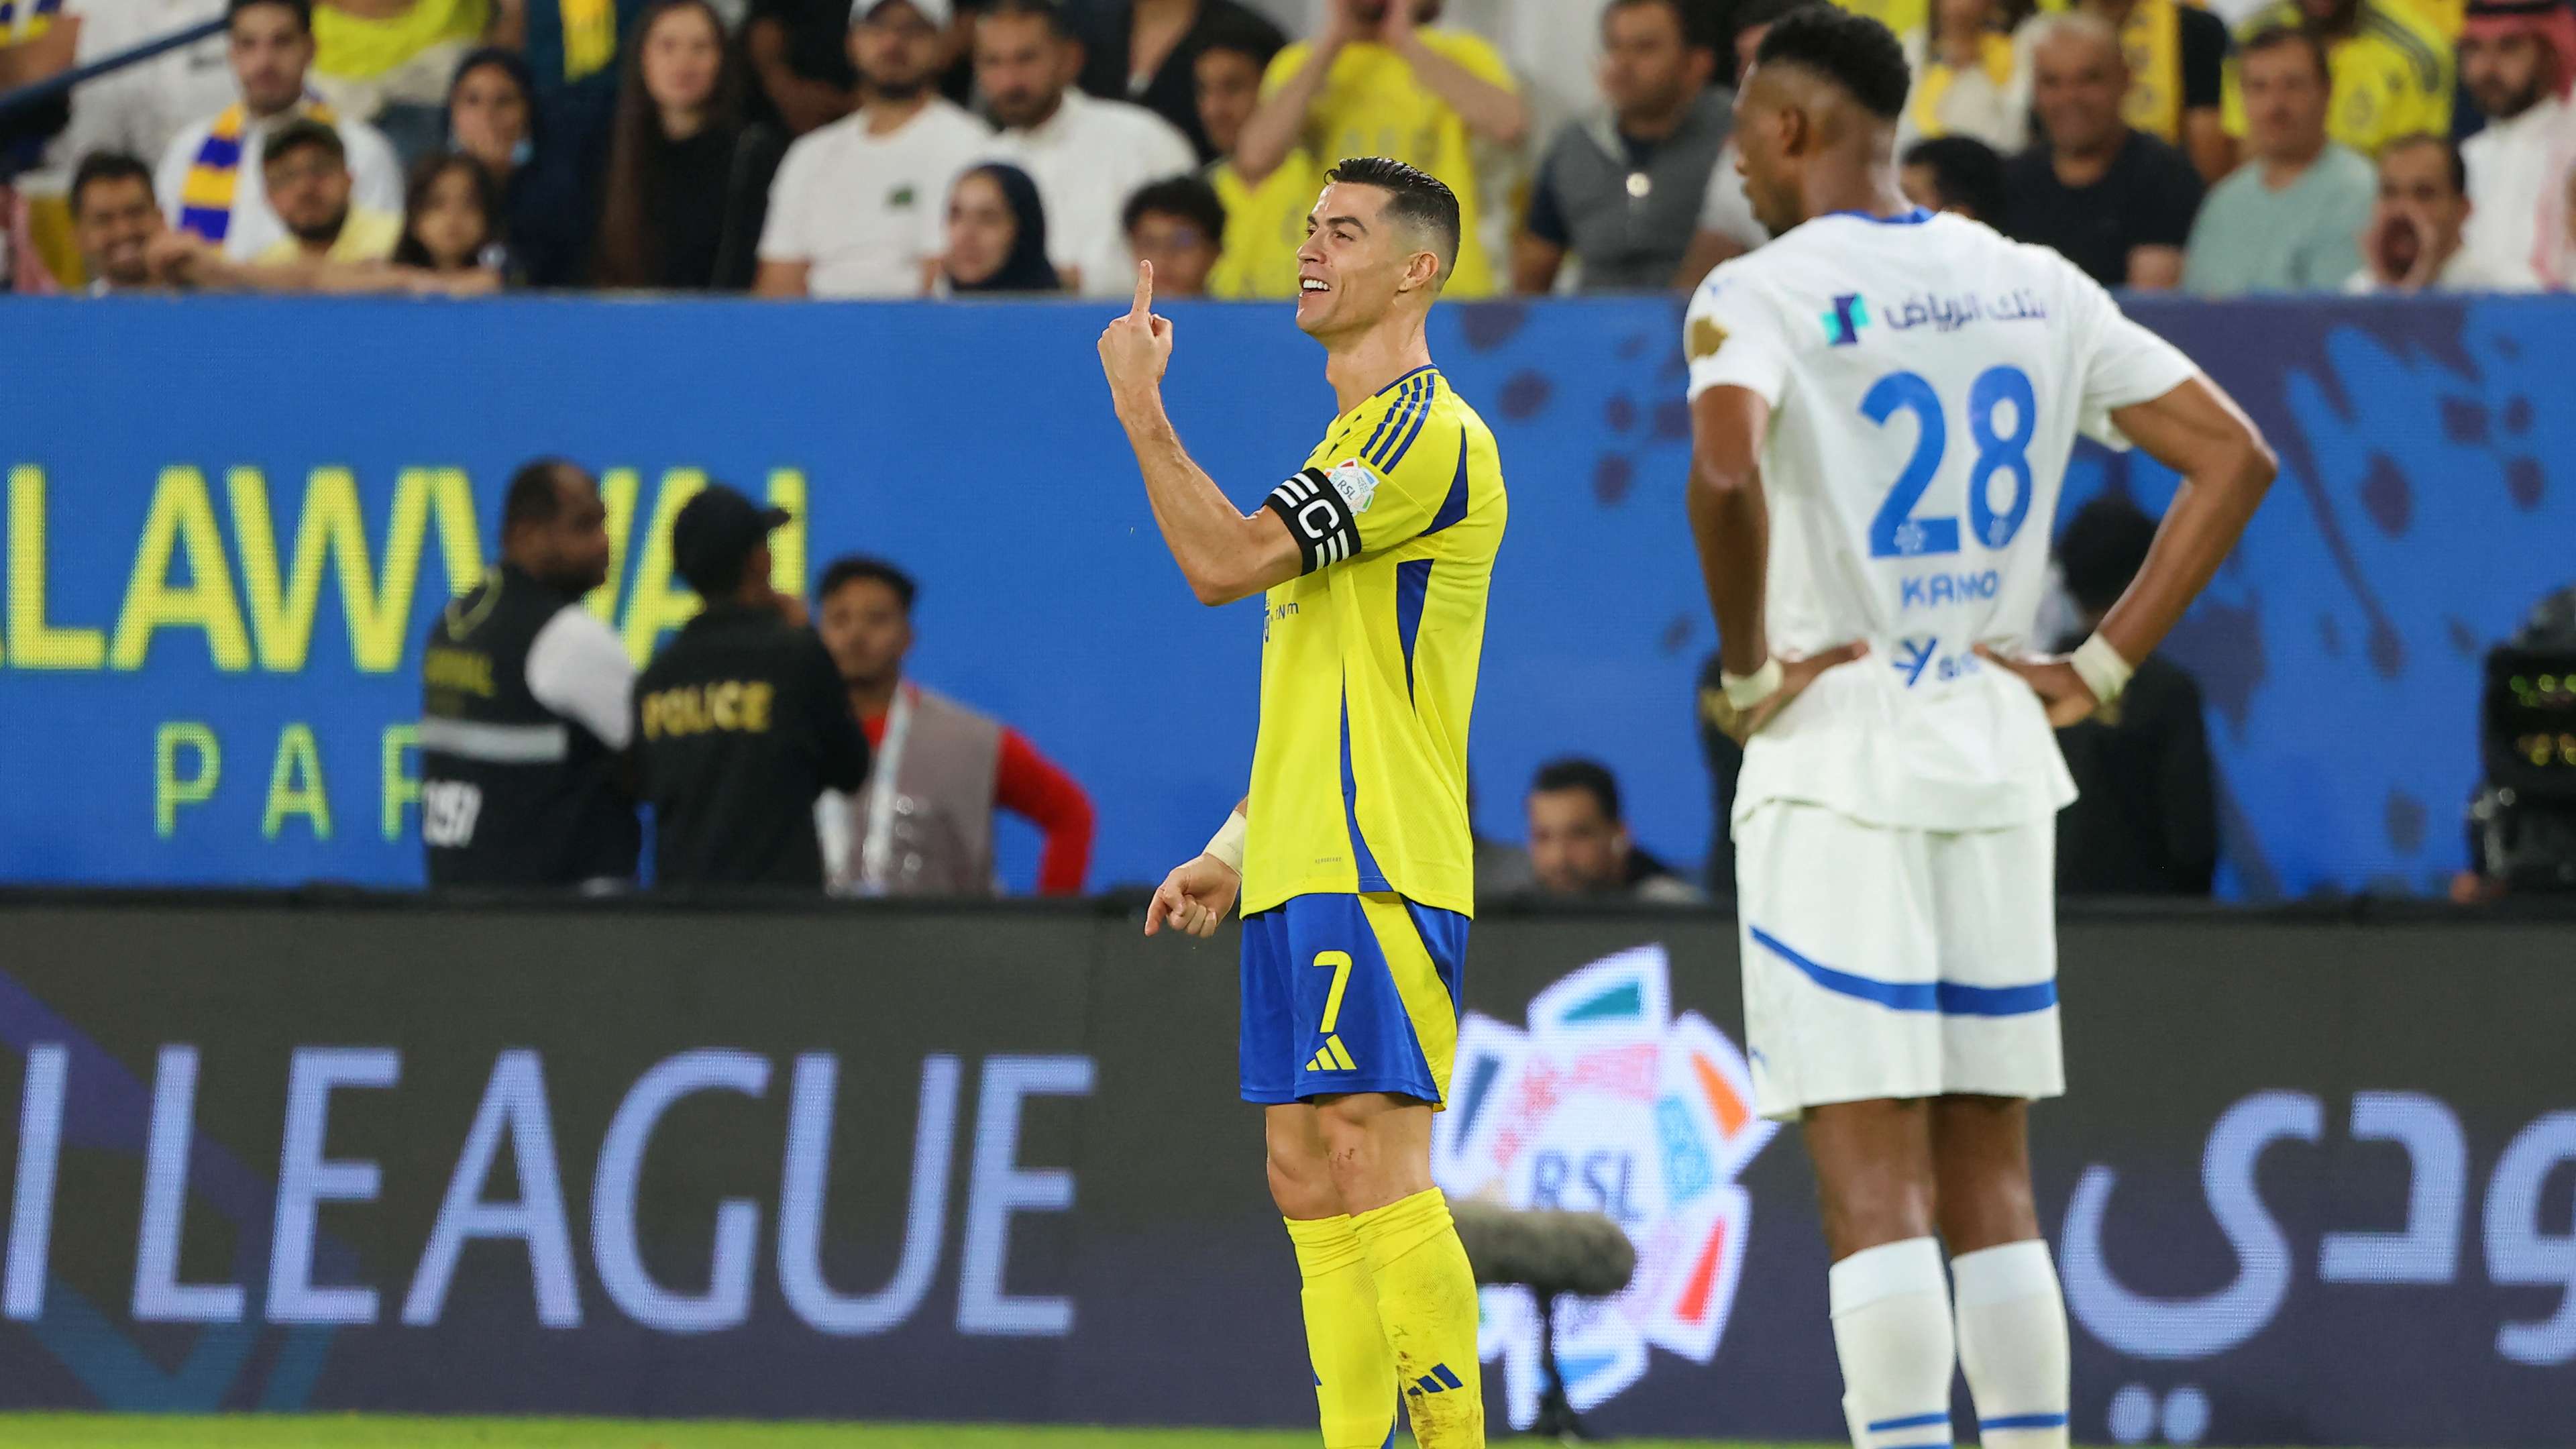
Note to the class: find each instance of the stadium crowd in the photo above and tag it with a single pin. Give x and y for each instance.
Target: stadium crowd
(900, 148)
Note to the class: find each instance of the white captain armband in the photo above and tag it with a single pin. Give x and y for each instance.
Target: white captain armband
(1318, 517)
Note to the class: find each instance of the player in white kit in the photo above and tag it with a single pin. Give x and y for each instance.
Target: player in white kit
(1882, 403)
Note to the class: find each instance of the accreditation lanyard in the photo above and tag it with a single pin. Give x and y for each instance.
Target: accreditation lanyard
(876, 847)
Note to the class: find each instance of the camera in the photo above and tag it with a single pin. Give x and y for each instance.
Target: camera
(2522, 823)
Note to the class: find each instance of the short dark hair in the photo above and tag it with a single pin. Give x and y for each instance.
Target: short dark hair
(303, 134)
(2273, 37)
(535, 494)
(99, 167)
(2450, 152)
(1851, 50)
(1228, 30)
(303, 11)
(1684, 14)
(1749, 13)
(2102, 549)
(1414, 196)
(1966, 172)
(1576, 773)
(856, 568)
(1047, 10)
(1186, 197)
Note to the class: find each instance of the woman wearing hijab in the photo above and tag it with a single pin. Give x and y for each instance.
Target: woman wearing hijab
(997, 239)
(493, 116)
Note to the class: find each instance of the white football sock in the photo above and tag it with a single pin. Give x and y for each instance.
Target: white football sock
(1891, 1310)
(2012, 1342)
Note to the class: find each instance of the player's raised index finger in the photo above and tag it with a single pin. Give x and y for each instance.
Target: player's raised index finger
(1144, 289)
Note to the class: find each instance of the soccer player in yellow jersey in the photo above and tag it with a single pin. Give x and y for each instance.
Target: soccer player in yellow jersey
(1351, 854)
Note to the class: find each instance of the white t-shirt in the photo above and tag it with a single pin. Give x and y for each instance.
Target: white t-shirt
(1726, 209)
(1927, 378)
(864, 211)
(375, 180)
(1087, 159)
(138, 109)
(2517, 192)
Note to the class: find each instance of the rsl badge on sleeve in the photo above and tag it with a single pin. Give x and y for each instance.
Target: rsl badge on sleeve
(1356, 484)
(1705, 338)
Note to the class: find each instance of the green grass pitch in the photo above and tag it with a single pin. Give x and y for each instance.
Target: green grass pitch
(323, 1431)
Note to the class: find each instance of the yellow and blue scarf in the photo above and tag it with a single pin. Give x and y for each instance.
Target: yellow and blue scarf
(25, 20)
(206, 197)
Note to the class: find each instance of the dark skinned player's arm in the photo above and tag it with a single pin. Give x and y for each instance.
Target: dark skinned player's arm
(2198, 431)
(1729, 520)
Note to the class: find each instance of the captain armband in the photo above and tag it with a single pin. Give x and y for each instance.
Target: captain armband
(1319, 517)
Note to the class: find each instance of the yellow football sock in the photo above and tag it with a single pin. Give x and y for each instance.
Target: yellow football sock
(1354, 1369)
(1426, 1298)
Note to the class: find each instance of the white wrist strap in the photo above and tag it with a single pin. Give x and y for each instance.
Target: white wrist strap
(1227, 844)
(2101, 668)
(1744, 691)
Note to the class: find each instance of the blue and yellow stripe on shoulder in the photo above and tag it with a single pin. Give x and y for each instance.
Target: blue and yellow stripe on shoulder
(1402, 421)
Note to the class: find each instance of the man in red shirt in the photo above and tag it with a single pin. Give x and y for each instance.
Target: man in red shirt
(924, 824)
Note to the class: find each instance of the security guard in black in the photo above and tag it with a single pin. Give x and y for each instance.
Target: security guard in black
(525, 707)
(742, 720)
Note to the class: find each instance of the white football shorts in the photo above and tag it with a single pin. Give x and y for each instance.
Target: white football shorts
(1896, 963)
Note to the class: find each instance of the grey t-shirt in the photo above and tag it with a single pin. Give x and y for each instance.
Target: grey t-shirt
(2305, 237)
(1627, 208)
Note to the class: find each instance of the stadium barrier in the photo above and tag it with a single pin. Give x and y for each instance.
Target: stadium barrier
(2310, 1185)
(230, 523)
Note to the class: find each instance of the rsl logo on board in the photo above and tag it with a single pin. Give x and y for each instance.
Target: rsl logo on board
(1607, 1102)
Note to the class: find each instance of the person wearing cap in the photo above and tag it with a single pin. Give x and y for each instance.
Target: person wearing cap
(525, 706)
(741, 722)
(2518, 63)
(857, 208)
(210, 179)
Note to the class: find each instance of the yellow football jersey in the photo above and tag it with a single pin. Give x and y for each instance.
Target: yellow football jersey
(1368, 659)
(2392, 76)
(1265, 226)
(1373, 105)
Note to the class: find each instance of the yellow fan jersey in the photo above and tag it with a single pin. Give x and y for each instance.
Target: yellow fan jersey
(2393, 75)
(1372, 104)
(1368, 660)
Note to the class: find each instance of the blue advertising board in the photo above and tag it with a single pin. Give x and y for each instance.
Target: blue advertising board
(229, 523)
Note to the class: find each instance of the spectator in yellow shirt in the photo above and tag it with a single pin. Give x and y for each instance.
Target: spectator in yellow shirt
(2392, 68)
(1264, 223)
(1375, 82)
(307, 173)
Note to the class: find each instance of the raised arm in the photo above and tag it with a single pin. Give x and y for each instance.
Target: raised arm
(1225, 555)
(1275, 126)
(1493, 112)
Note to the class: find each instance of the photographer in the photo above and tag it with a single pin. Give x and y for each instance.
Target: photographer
(741, 721)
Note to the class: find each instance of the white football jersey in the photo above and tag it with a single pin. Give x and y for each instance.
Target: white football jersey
(1927, 378)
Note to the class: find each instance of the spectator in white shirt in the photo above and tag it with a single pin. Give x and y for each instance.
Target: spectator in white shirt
(138, 109)
(209, 180)
(1727, 226)
(2518, 61)
(1086, 155)
(855, 211)
(2413, 243)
